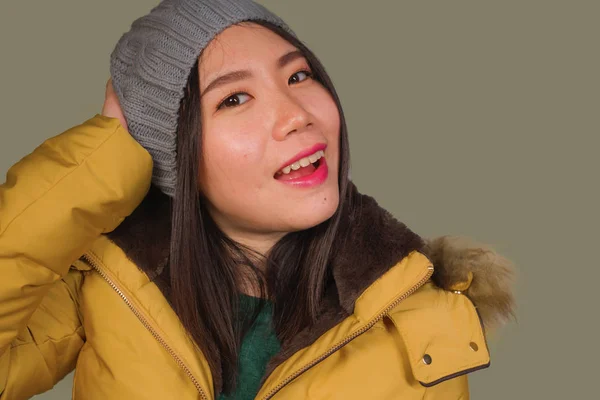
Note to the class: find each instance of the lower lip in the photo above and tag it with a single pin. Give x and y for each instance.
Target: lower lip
(312, 180)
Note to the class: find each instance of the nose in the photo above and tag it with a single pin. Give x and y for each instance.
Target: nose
(291, 116)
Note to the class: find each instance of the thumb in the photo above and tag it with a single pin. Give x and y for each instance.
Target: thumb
(112, 107)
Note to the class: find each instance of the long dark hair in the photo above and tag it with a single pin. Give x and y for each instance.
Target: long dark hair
(205, 264)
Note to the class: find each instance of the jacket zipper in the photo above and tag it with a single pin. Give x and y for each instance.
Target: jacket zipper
(352, 336)
(90, 259)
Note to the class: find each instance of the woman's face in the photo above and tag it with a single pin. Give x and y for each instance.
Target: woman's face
(261, 112)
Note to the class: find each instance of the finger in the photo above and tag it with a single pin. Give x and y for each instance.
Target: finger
(109, 88)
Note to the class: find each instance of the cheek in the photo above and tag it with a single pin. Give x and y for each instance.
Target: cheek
(229, 161)
(326, 112)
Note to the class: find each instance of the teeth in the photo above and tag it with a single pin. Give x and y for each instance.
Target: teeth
(303, 162)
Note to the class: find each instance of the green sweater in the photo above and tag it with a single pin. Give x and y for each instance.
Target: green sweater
(258, 346)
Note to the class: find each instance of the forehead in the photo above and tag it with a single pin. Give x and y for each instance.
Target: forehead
(241, 46)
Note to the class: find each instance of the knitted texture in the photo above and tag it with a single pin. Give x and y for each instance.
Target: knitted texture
(151, 63)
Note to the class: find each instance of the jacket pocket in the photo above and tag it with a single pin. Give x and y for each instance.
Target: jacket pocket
(442, 334)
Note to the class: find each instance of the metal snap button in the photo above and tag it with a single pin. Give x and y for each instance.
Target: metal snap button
(427, 359)
(473, 346)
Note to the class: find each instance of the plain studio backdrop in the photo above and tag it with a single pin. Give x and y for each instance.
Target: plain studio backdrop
(466, 118)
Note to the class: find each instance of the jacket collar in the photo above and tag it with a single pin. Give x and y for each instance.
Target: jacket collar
(378, 242)
(371, 243)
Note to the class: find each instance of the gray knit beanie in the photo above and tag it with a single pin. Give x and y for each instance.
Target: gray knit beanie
(151, 64)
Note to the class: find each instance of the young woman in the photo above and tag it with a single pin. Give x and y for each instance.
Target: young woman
(201, 238)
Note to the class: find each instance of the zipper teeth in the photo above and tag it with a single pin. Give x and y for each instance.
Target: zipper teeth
(147, 325)
(351, 337)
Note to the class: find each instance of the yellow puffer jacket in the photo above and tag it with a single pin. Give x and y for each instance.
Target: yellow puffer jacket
(70, 297)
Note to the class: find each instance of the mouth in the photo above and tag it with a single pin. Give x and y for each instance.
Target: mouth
(303, 167)
(307, 172)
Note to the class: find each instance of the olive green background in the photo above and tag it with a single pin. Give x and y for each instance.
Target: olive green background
(470, 118)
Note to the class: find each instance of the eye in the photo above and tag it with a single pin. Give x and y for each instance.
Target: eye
(233, 100)
(300, 76)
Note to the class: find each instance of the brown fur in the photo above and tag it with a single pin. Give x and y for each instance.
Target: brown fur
(493, 275)
(370, 241)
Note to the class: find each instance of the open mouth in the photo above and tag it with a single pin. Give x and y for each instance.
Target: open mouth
(301, 168)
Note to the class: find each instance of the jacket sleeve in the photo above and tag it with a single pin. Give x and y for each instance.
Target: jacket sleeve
(55, 202)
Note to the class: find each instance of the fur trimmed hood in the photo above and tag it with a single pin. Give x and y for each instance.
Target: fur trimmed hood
(378, 241)
(475, 269)
(369, 243)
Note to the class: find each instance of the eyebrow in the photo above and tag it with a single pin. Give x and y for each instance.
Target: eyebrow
(235, 76)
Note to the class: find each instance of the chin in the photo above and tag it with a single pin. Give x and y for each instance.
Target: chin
(315, 213)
